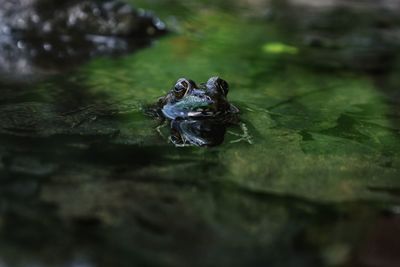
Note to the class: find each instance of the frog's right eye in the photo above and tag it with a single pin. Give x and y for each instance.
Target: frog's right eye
(181, 88)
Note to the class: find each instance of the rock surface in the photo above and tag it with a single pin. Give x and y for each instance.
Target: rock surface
(43, 37)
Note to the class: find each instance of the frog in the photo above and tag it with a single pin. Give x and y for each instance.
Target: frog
(197, 115)
(187, 100)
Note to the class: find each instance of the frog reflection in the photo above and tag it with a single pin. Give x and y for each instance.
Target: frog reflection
(199, 115)
(197, 132)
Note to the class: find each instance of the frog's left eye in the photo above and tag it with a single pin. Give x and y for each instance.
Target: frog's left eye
(216, 85)
(223, 87)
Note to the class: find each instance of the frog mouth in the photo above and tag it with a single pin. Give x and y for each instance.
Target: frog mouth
(193, 106)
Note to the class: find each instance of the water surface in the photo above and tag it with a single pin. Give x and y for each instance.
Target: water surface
(308, 178)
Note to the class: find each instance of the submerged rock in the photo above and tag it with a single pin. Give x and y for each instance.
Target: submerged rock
(41, 36)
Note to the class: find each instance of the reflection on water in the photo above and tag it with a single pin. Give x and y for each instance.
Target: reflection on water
(197, 132)
(32, 58)
(309, 177)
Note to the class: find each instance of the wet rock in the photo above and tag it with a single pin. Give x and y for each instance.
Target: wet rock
(78, 17)
(40, 37)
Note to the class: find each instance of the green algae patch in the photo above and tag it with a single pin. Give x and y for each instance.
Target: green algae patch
(308, 132)
(279, 48)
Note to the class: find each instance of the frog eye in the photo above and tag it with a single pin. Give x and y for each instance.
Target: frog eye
(217, 85)
(223, 87)
(181, 88)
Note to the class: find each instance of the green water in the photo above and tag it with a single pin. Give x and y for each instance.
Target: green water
(308, 174)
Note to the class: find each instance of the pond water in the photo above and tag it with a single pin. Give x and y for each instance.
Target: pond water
(309, 177)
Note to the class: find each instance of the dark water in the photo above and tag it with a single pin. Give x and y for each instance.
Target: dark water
(308, 178)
